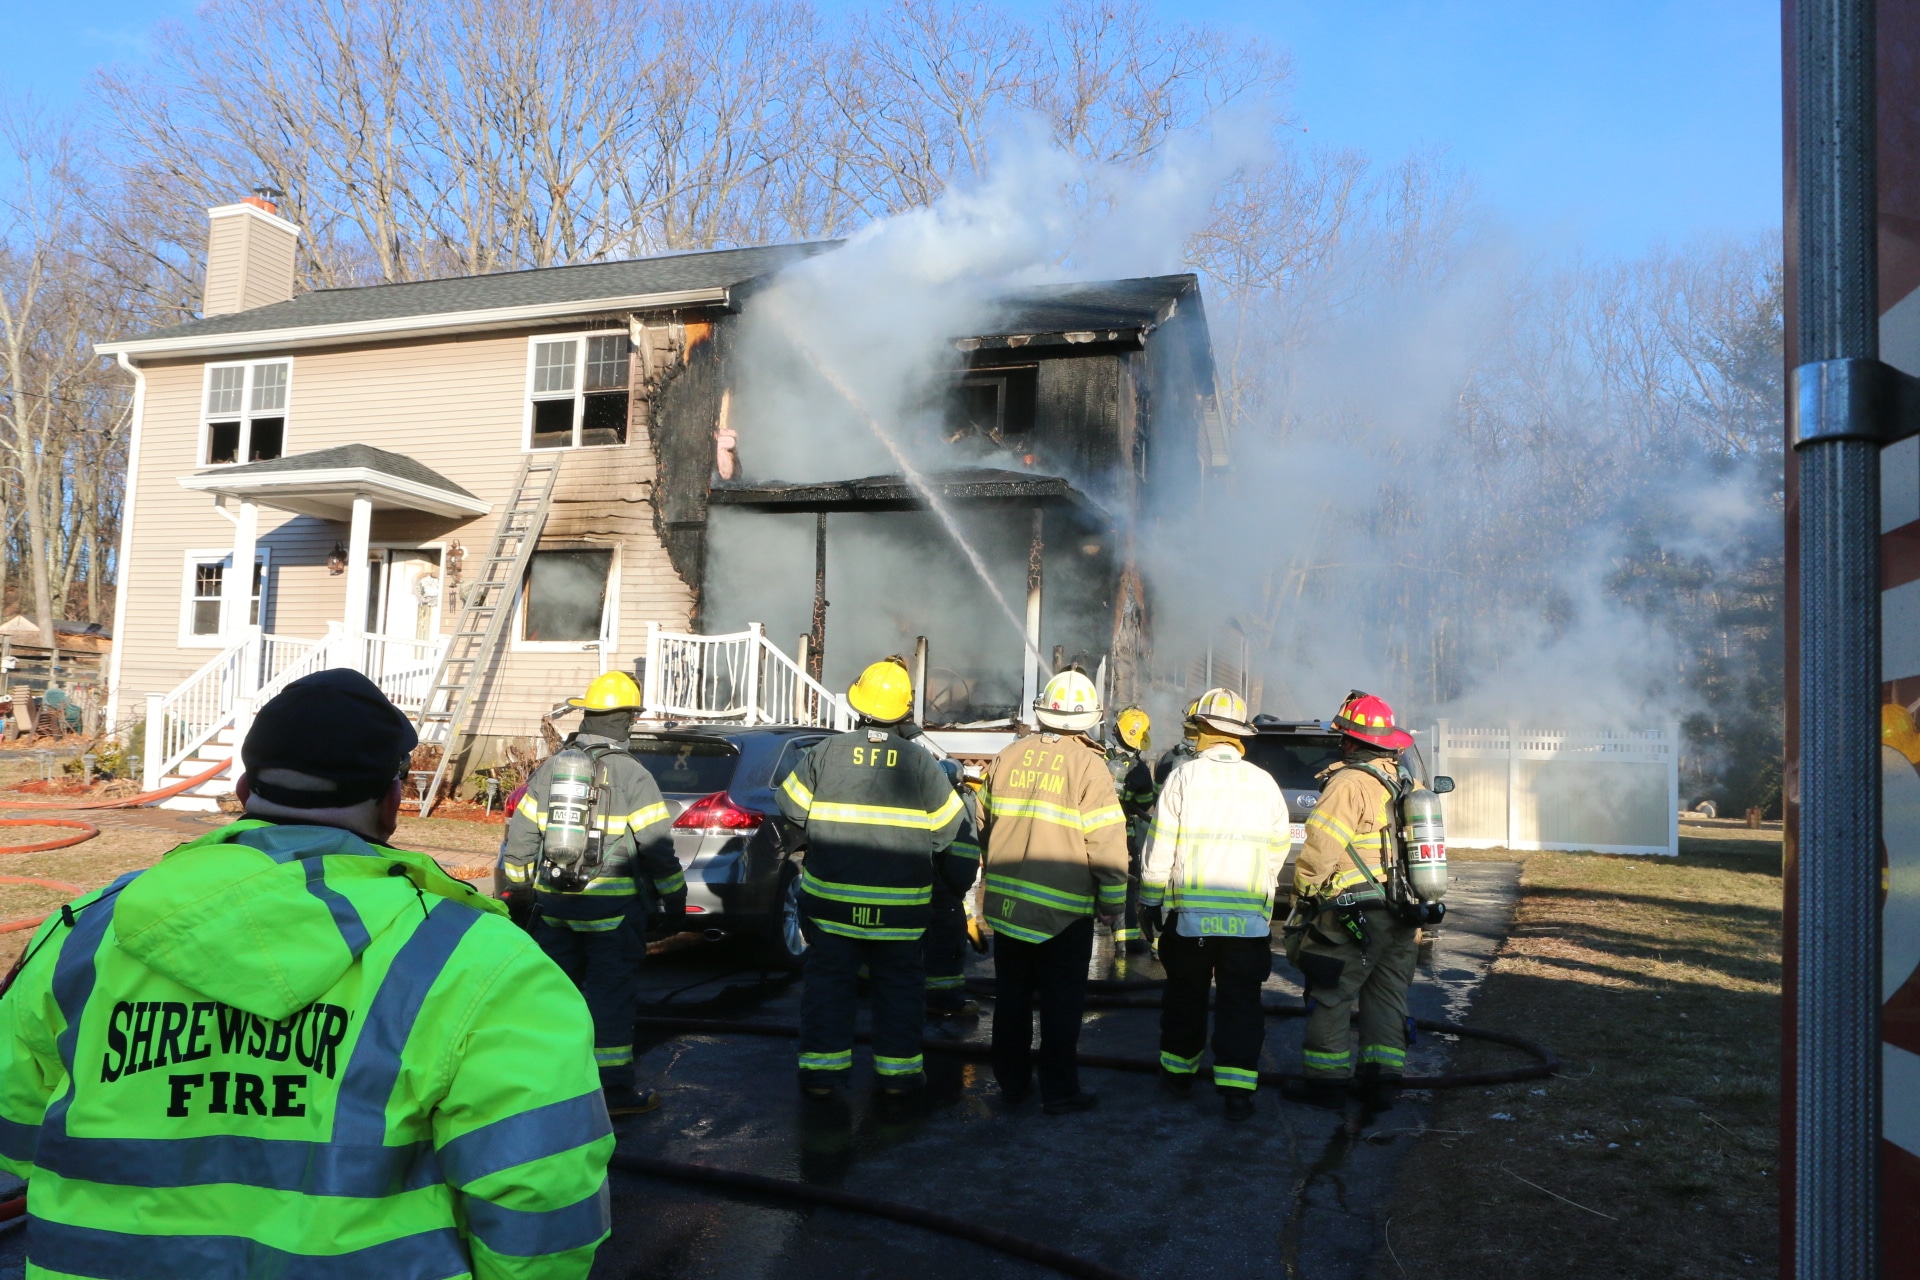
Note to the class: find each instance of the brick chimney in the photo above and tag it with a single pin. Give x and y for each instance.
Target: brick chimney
(250, 259)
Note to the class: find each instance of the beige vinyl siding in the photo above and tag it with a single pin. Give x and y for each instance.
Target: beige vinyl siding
(226, 258)
(456, 405)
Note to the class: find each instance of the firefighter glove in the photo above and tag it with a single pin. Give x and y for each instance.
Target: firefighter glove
(977, 934)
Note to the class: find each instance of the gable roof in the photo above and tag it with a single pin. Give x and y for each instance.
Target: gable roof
(460, 303)
(325, 482)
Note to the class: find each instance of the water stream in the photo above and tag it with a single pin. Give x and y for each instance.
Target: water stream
(920, 486)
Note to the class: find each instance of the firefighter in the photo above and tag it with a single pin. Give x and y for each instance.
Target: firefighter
(1182, 751)
(1220, 835)
(594, 925)
(1342, 937)
(289, 985)
(1056, 854)
(1133, 778)
(944, 945)
(876, 814)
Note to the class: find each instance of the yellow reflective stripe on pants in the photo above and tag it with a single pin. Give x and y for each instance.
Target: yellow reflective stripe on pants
(898, 1066)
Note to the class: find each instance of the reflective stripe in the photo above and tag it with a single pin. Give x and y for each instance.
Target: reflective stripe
(530, 810)
(1113, 895)
(17, 1140)
(1218, 899)
(347, 1169)
(946, 981)
(797, 792)
(1152, 895)
(1126, 935)
(865, 894)
(366, 1085)
(638, 820)
(520, 1233)
(1318, 1060)
(899, 1066)
(606, 924)
(1331, 825)
(90, 1251)
(1018, 933)
(530, 1135)
(606, 886)
(841, 1061)
(352, 931)
(1180, 1066)
(961, 849)
(616, 1056)
(865, 934)
(73, 976)
(1059, 815)
(1384, 1054)
(880, 815)
(672, 883)
(1040, 894)
(1235, 1077)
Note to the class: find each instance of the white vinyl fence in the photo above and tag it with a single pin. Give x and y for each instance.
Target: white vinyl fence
(1611, 791)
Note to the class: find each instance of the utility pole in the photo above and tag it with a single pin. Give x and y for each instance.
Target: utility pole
(1843, 406)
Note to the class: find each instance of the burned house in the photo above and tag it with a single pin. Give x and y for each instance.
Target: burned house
(489, 489)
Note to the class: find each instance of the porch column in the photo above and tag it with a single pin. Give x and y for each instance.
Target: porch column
(1032, 678)
(236, 588)
(359, 533)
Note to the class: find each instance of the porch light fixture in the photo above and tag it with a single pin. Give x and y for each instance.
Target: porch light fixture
(337, 560)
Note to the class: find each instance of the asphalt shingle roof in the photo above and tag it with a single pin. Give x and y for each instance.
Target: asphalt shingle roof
(585, 283)
(1106, 304)
(397, 465)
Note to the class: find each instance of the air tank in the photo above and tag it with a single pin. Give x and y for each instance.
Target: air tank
(1425, 835)
(569, 805)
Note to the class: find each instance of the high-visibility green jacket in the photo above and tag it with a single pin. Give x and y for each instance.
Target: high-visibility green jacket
(876, 810)
(285, 1051)
(636, 841)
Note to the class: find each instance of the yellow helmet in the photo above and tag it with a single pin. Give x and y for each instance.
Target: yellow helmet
(883, 693)
(1133, 726)
(1223, 711)
(1069, 703)
(1897, 731)
(610, 691)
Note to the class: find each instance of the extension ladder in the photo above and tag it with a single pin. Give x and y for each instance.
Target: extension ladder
(486, 606)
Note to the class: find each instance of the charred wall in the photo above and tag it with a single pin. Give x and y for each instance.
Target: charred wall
(682, 425)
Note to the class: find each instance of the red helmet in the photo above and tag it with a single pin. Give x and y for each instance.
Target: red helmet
(1370, 719)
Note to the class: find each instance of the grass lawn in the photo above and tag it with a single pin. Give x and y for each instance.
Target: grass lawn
(1653, 1152)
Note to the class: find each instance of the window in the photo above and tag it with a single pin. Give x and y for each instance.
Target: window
(246, 417)
(206, 577)
(565, 600)
(578, 391)
(989, 409)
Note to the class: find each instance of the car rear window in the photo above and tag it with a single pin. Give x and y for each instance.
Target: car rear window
(687, 768)
(1293, 761)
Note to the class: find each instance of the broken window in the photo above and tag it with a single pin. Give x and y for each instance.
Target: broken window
(246, 412)
(990, 409)
(565, 600)
(579, 391)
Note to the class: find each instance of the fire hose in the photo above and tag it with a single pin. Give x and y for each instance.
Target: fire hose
(86, 829)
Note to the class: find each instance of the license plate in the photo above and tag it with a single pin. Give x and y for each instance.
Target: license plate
(1299, 833)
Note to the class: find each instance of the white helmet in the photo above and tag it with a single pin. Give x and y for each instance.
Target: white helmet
(1069, 703)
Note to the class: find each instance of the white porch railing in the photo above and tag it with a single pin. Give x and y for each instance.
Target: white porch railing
(223, 693)
(741, 677)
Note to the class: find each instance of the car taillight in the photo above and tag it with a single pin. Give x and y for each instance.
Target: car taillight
(717, 813)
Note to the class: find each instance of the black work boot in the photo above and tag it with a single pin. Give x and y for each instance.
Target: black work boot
(1082, 1101)
(1377, 1090)
(1177, 1083)
(1329, 1095)
(1238, 1103)
(625, 1100)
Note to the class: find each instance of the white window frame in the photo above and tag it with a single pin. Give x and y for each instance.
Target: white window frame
(262, 556)
(609, 642)
(246, 414)
(579, 388)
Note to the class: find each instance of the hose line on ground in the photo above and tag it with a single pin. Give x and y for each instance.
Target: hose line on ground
(756, 1184)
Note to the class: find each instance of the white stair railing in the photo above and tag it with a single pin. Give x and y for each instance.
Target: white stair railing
(741, 677)
(402, 666)
(181, 722)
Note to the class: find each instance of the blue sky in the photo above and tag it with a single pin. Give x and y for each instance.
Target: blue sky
(1614, 124)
